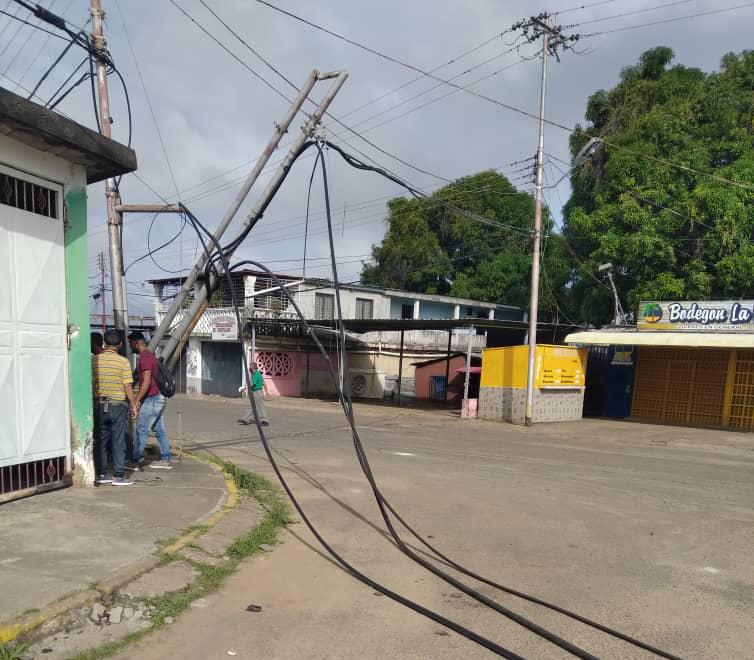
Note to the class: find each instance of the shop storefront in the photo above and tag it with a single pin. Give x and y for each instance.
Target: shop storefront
(694, 362)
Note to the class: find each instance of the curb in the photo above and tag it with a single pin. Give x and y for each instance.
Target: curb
(23, 625)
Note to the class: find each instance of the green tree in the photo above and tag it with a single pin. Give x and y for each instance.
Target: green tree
(431, 248)
(670, 232)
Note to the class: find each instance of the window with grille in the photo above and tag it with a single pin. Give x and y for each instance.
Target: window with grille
(273, 301)
(222, 296)
(364, 308)
(407, 311)
(28, 196)
(324, 306)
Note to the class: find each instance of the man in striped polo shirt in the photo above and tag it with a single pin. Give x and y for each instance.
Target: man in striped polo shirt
(113, 392)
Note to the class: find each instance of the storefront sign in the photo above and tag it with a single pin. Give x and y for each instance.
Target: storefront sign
(224, 328)
(699, 316)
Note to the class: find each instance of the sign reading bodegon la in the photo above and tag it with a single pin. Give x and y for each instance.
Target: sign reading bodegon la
(704, 316)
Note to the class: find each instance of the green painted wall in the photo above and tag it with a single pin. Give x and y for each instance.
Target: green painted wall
(79, 357)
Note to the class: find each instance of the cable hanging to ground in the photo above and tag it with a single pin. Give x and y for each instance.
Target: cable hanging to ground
(449, 623)
(220, 260)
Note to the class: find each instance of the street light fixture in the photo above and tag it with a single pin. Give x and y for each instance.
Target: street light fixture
(590, 149)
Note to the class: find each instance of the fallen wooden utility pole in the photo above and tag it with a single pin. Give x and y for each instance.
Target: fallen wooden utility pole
(181, 332)
(188, 284)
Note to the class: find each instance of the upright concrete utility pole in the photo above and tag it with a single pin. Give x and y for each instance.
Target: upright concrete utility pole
(180, 334)
(101, 264)
(114, 218)
(536, 243)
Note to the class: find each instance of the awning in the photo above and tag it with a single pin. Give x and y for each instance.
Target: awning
(472, 370)
(647, 338)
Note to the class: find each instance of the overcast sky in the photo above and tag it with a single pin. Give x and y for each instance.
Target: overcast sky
(215, 117)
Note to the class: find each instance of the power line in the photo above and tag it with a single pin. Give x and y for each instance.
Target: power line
(632, 13)
(501, 103)
(146, 96)
(224, 47)
(580, 7)
(406, 65)
(370, 102)
(36, 27)
(259, 77)
(43, 46)
(667, 20)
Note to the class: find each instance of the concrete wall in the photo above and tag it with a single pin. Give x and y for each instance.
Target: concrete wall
(423, 375)
(73, 180)
(508, 404)
(79, 357)
(435, 310)
(194, 365)
(306, 300)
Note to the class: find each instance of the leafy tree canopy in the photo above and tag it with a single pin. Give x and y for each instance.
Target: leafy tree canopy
(671, 233)
(432, 248)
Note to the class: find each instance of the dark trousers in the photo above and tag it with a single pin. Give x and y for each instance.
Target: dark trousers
(110, 420)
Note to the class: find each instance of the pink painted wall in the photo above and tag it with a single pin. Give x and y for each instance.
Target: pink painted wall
(424, 374)
(282, 372)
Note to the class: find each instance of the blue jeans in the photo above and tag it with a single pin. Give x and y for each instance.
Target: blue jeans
(110, 435)
(150, 417)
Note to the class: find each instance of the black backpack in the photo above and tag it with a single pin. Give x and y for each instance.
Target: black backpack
(165, 380)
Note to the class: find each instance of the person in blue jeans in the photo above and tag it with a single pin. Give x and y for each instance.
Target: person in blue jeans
(152, 406)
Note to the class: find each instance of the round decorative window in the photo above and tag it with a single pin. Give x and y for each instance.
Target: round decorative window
(274, 364)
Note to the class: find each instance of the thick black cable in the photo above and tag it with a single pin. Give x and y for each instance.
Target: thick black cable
(35, 26)
(345, 402)
(449, 623)
(50, 68)
(54, 96)
(366, 469)
(151, 251)
(92, 77)
(348, 409)
(306, 222)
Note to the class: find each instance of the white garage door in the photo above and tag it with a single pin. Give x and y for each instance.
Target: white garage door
(35, 431)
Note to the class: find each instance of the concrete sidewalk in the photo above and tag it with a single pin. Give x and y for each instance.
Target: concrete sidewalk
(62, 542)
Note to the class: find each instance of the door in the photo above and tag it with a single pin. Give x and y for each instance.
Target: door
(221, 368)
(619, 382)
(34, 389)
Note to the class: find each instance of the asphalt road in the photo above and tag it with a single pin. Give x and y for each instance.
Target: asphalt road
(648, 529)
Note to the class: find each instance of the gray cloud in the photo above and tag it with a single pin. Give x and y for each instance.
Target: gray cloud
(214, 115)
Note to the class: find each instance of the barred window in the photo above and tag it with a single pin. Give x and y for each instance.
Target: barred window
(28, 196)
(273, 301)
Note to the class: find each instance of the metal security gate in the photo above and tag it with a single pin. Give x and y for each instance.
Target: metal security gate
(34, 389)
(221, 368)
(681, 386)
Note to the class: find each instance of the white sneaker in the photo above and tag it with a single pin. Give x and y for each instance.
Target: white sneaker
(103, 479)
(161, 465)
(122, 481)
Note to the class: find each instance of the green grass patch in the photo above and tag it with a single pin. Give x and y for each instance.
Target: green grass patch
(277, 515)
(12, 651)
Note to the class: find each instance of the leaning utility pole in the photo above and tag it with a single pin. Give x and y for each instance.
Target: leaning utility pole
(280, 130)
(552, 39)
(182, 330)
(114, 218)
